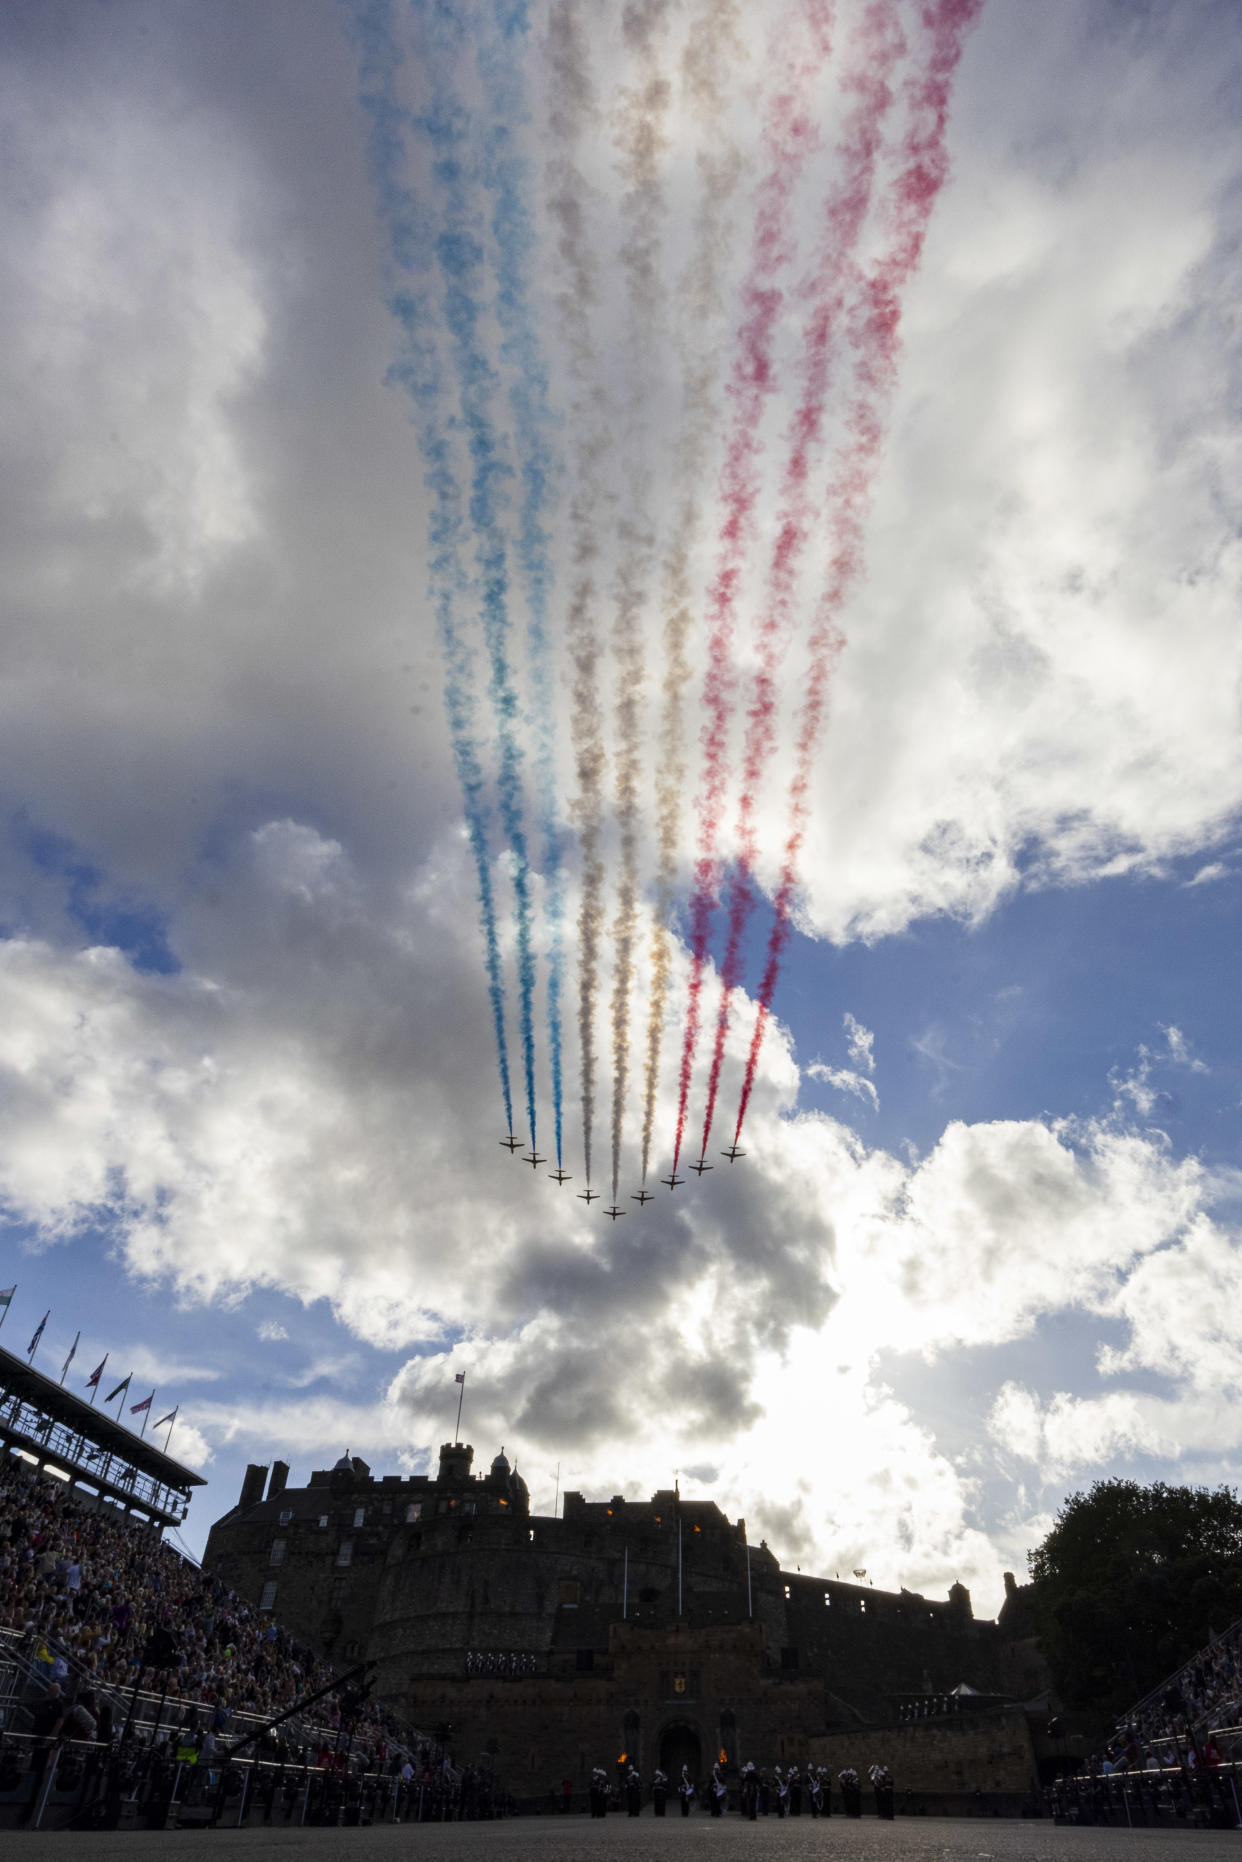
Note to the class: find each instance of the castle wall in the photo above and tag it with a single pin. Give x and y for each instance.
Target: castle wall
(621, 1626)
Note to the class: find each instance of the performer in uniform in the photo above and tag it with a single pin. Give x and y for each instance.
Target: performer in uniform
(765, 1793)
(780, 1791)
(815, 1789)
(750, 1791)
(719, 1791)
(659, 1793)
(850, 1792)
(633, 1792)
(599, 1792)
(685, 1790)
(794, 1782)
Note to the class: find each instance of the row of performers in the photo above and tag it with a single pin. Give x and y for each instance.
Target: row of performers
(762, 1793)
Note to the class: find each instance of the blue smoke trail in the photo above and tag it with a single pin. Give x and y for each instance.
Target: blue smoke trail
(507, 175)
(447, 126)
(418, 370)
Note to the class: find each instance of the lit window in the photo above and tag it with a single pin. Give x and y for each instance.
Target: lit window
(360, 1514)
(345, 1552)
(468, 1507)
(827, 1600)
(277, 1554)
(323, 1520)
(267, 1600)
(413, 1511)
(286, 1514)
(787, 1590)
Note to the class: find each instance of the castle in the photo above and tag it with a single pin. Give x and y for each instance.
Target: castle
(649, 1628)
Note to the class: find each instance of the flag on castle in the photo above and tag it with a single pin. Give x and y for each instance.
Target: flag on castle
(460, 1377)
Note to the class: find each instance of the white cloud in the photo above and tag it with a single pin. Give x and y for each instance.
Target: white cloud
(861, 1042)
(1215, 869)
(845, 1081)
(272, 1332)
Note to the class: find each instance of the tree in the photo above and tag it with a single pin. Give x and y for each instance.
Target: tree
(1130, 1582)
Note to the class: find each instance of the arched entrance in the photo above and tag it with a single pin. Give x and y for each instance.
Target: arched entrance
(680, 1745)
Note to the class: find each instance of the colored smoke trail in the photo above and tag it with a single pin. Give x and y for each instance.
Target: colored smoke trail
(875, 330)
(788, 138)
(713, 34)
(447, 126)
(641, 141)
(500, 62)
(420, 373)
(571, 114)
(871, 54)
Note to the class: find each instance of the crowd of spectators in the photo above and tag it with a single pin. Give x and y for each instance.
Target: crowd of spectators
(1178, 1724)
(100, 1603)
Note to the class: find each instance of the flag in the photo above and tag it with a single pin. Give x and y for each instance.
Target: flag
(860, 1574)
(92, 1382)
(171, 1417)
(460, 1377)
(119, 1389)
(69, 1360)
(6, 1294)
(136, 1408)
(39, 1334)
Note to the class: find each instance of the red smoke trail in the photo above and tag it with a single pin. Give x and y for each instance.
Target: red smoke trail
(788, 137)
(875, 328)
(874, 49)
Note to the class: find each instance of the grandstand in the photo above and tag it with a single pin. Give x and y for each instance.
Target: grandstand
(1174, 1756)
(137, 1689)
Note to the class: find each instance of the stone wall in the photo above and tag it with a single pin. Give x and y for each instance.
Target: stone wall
(943, 1764)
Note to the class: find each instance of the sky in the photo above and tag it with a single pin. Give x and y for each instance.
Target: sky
(382, 383)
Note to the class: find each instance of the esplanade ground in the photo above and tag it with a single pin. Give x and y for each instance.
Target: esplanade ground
(622, 1839)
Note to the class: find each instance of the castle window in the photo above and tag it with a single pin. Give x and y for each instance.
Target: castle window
(267, 1599)
(786, 1590)
(277, 1554)
(286, 1514)
(862, 1606)
(469, 1508)
(413, 1511)
(827, 1600)
(339, 1587)
(585, 1660)
(568, 1591)
(345, 1552)
(323, 1521)
(360, 1516)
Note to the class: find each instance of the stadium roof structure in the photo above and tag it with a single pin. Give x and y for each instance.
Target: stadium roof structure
(60, 1430)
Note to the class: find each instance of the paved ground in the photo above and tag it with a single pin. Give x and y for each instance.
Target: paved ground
(621, 1839)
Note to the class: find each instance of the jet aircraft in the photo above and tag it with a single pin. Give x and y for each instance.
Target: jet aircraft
(511, 1144)
(534, 1160)
(701, 1166)
(732, 1153)
(642, 1196)
(560, 1176)
(588, 1196)
(614, 1212)
(672, 1181)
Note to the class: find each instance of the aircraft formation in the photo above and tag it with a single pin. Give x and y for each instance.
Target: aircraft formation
(642, 1196)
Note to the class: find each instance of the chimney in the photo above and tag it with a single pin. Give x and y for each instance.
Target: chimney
(253, 1485)
(280, 1474)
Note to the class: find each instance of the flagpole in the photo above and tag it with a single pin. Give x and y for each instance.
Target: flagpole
(171, 1426)
(97, 1379)
(146, 1414)
(72, 1352)
(461, 1399)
